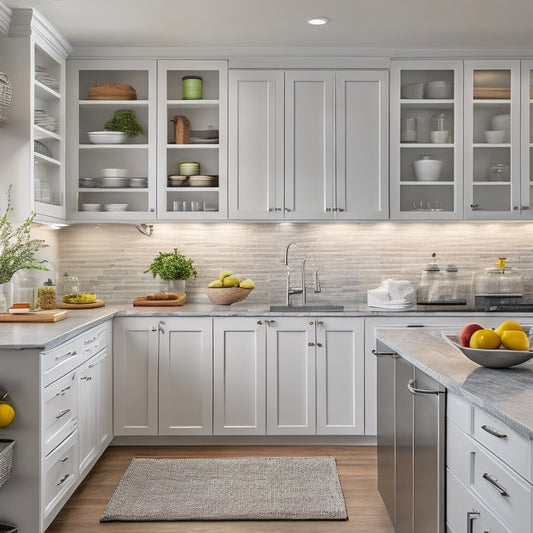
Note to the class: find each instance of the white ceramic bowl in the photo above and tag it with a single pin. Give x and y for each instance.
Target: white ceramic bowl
(501, 122)
(427, 169)
(115, 207)
(438, 89)
(494, 136)
(91, 207)
(138, 182)
(107, 137)
(440, 137)
(413, 91)
(113, 172)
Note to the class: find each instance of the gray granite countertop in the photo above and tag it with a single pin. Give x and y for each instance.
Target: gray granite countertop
(505, 393)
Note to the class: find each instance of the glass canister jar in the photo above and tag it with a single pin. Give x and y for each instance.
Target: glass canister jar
(192, 87)
(67, 284)
(46, 295)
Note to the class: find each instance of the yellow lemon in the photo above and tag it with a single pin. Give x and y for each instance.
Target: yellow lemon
(7, 413)
(485, 339)
(508, 325)
(515, 340)
(215, 284)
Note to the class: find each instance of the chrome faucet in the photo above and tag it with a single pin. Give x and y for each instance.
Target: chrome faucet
(294, 290)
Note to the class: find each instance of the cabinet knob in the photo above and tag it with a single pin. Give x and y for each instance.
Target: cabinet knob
(516, 208)
(328, 209)
(311, 344)
(288, 209)
(474, 207)
(319, 323)
(260, 322)
(340, 209)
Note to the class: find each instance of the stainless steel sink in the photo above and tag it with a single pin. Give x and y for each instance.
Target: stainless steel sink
(306, 308)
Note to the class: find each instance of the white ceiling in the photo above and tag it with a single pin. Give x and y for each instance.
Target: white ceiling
(457, 24)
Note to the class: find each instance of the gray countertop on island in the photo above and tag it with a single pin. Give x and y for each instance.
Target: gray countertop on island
(505, 393)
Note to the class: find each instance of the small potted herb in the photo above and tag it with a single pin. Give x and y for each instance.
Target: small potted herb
(126, 121)
(173, 268)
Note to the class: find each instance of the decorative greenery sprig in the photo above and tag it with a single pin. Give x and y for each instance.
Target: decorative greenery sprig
(124, 120)
(172, 265)
(17, 248)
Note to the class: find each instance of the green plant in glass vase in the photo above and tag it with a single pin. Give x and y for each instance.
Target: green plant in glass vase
(172, 267)
(17, 250)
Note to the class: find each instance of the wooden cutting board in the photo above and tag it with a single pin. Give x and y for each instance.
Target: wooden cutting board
(98, 303)
(52, 315)
(143, 301)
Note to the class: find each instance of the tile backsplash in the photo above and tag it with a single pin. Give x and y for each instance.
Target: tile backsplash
(110, 258)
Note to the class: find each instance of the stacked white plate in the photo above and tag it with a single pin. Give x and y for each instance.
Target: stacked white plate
(90, 207)
(113, 172)
(112, 182)
(177, 181)
(138, 182)
(107, 137)
(201, 181)
(115, 207)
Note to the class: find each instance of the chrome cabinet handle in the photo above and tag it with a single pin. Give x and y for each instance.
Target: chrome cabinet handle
(68, 354)
(474, 207)
(160, 326)
(62, 480)
(310, 344)
(260, 322)
(62, 413)
(394, 355)
(524, 208)
(494, 482)
(270, 322)
(492, 431)
(411, 387)
(86, 378)
(470, 517)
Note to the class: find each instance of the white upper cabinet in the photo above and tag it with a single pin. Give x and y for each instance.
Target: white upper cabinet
(426, 177)
(308, 145)
(110, 181)
(33, 144)
(493, 183)
(526, 152)
(192, 130)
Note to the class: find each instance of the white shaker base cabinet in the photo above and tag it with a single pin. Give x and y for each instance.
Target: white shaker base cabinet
(163, 375)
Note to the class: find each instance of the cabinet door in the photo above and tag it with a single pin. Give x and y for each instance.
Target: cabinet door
(185, 376)
(492, 103)
(526, 136)
(135, 371)
(362, 144)
(340, 376)
(291, 376)
(239, 376)
(309, 144)
(256, 135)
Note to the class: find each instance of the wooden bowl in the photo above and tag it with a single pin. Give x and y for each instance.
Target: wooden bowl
(227, 295)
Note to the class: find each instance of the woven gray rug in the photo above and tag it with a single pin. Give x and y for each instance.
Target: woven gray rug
(247, 488)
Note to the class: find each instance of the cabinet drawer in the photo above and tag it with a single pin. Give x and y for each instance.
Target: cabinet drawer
(67, 356)
(464, 510)
(511, 447)
(458, 411)
(505, 493)
(60, 410)
(60, 472)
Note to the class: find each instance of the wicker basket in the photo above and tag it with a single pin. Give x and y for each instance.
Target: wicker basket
(6, 459)
(6, 94)
(227, 295)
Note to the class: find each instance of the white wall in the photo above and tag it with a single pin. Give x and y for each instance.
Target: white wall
(110, 258)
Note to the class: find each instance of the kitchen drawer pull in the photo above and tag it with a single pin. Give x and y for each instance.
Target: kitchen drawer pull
(62, 480)
(90, 341)
(411, 387)
(394, 355)
(86, 378)
(470, 517)
(493, 431)
(62, 413)
(494, 482)
(65, 355)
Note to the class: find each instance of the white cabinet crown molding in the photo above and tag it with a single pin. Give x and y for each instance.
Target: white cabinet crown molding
(5, 19)
(26, 21)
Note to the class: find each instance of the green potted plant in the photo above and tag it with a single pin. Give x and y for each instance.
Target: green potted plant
(17, 251)
(173, 268)
(126, 121)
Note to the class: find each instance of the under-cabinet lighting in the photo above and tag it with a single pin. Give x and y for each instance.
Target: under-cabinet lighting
(318, 21)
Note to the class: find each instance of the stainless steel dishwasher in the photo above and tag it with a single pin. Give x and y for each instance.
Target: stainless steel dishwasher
(411, 444)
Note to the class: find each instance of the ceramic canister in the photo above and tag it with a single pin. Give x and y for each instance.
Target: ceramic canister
(192, 87)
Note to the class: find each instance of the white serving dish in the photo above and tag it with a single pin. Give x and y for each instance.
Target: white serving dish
(107, 137)
(90, 207)
(113, 172)
(115, 207)
(494, 136)
(427, 169)
(112, 182)
(413, 91)
(500, 358)
(438, 89)
(138, 182)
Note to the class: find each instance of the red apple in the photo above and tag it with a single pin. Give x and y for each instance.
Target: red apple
(466, 333)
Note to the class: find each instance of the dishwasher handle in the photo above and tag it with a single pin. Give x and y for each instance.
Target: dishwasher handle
(394, 355)
(411, 387)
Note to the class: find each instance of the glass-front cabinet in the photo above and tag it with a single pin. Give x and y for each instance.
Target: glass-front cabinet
(426, 176)
(112, 175)
(192, 152)
(493, 177)
(526, 205)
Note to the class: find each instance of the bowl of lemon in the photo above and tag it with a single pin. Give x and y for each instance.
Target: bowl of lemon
(229, 289)
(507, 345)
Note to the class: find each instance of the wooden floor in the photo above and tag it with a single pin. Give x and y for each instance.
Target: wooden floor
(356, 466)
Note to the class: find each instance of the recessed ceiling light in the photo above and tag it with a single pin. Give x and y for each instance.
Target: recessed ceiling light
(318, 21)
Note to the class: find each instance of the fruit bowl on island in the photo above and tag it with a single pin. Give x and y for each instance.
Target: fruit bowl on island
(229, 289)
